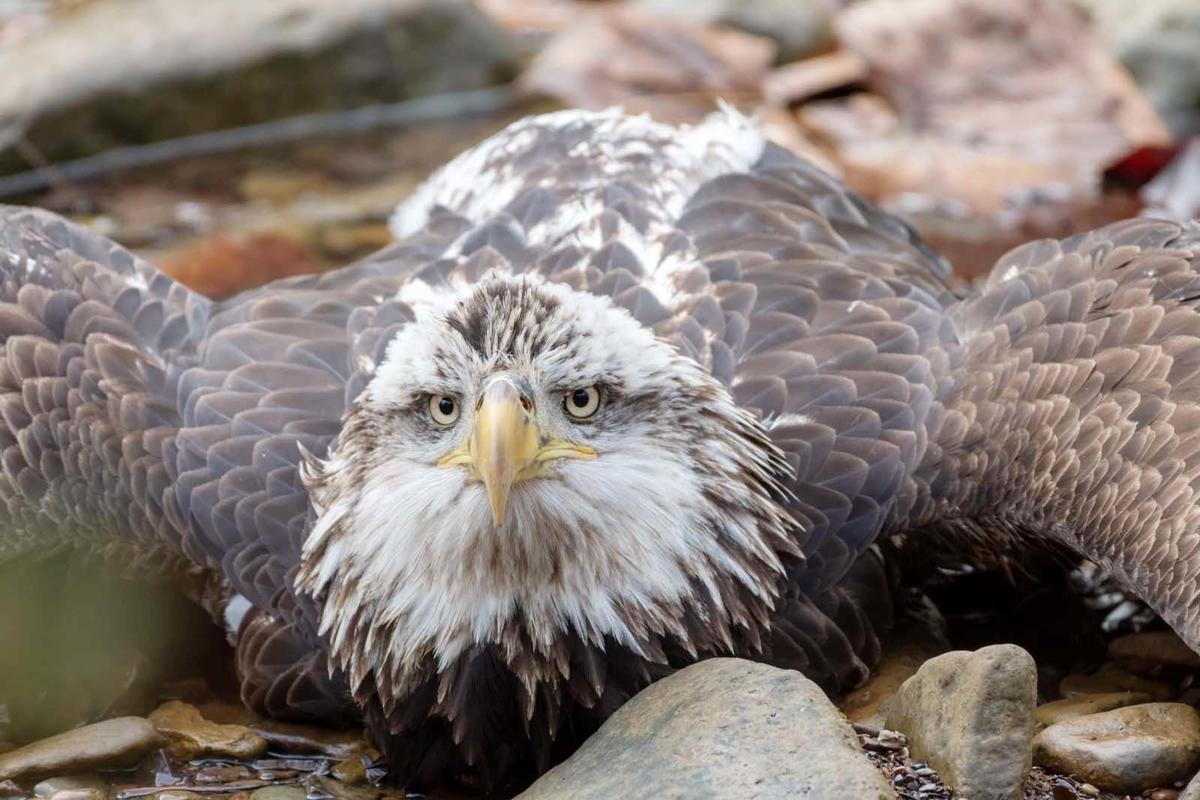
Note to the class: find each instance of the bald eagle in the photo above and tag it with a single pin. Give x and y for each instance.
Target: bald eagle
(620, 397)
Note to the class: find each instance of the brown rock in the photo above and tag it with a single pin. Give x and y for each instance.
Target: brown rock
(970, 715)
(1157, 647)
(279, 793)
(10, 789)
(188, 735)
(1082, 705)
(112, 744)
(1114, 680)
(351, 771)
(289, 737)
(211, 776)
(721, 728)
(1127, 750)
(52, 786)
(79, 794)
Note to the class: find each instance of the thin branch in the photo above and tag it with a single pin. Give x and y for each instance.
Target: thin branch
(326, 124)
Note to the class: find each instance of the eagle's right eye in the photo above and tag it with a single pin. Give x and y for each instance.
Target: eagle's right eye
(444, 409)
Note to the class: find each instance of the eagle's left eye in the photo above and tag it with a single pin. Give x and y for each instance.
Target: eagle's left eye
(444, 409)
(582, 403)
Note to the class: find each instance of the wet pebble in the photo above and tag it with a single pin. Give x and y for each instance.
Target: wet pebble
(112, 744)
(1141, 651)
(1081, 705)
(188, 735)
(1130, 749)
(1112, 680)
(352, 771)
(10, 789)
(279, 793)
(277, 774)
(79, 794)
(178, 794)
(209, 776)
(1163, 794)
(52, 786)
(291, 738)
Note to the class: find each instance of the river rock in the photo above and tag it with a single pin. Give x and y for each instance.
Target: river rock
(279, 793)
(159, 71)
(800, 28)
(1140, 651)
(1084, 704)
(288, 737)
(722, 728)
(52, 786)
(1127, 750)
(1192, 790)
(1111, 680)
(112, 744)
(189, 735)
(970, 715)
(79, 794)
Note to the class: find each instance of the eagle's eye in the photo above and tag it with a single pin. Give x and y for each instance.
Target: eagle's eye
(444, 409)
(582, 403)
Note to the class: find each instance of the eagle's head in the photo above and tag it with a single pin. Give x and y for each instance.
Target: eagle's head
(529, 463)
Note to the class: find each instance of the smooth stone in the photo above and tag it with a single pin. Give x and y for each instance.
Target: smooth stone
(970, 716)
(1127, 750)
(79, 794)
(233, 773)
(289, 737)
(351, 771)
(319, 786)
(1158, 647)
(60, 783)
(189, 735)
(723, 728)
(112, 744)
(178, 794)
(1110, 680)
(1082, 705)
(279, 793)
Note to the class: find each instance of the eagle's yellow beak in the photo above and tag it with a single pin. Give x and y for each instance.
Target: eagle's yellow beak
(506, 445)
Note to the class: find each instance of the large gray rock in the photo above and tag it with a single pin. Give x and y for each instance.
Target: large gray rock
(722, 728)
(118, 73)
(970, 715)
(1127, 750)
(799, 27)
(112, 744)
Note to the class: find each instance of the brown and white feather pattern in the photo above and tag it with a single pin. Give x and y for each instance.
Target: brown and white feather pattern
(808, 384)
